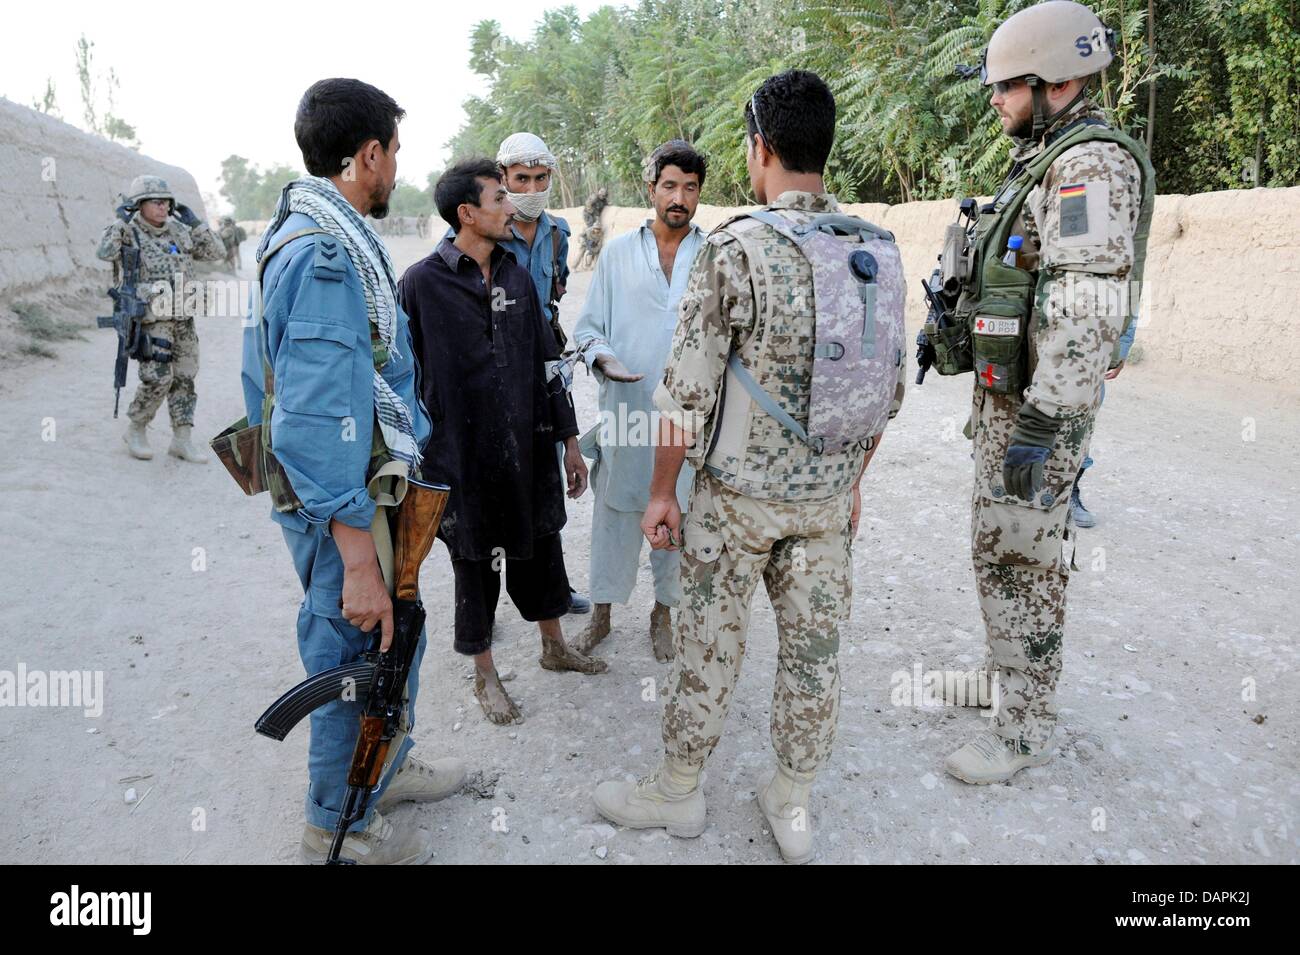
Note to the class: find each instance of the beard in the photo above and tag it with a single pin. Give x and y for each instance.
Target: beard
(379, 201)
(668, 215)
(1023, 129)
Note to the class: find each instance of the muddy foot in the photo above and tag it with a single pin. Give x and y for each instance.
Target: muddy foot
(597, 629)
(496, 702)
(556, 655)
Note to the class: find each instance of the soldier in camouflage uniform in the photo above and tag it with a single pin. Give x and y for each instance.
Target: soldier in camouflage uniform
(169, 236)
(1083, 217)
(231, 236)
(764, 507)
(594, 235)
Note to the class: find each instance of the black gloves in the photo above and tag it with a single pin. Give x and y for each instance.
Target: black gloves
(185, 214)
(1031, 446)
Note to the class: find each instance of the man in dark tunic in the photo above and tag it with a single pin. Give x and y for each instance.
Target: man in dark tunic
(484, 350)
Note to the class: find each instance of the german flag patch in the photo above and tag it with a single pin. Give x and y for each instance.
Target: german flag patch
(1074, 209)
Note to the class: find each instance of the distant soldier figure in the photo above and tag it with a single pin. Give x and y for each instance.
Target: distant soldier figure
(231, 236)
(169, 236)
(591, 242)
(594, 206)
(594, 235)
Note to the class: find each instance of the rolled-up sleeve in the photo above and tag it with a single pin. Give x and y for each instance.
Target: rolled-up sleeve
(718, 305)
(323, 420)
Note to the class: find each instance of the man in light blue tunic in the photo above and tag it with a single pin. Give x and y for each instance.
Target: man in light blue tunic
(626, 330)
(343, 367)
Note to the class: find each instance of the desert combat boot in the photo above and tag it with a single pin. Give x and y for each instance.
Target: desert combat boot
(784, 802)
(380, 843)
(669, 798)
(990, 758)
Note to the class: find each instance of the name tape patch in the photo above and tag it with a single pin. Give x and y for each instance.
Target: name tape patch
(986, 325)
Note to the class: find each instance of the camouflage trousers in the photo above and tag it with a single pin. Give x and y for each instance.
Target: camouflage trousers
(1022, 551)
(801, 553)
(172, 380)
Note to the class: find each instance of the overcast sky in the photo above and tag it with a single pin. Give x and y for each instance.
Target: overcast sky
(202, 82)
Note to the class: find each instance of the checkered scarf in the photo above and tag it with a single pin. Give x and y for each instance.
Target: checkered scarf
(319, 198)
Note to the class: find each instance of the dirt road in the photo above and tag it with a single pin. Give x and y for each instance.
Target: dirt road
(1178, 704)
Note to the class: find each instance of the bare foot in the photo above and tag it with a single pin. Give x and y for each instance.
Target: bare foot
(556, 655)
(597, 629)
(496, 702)
(661, 632)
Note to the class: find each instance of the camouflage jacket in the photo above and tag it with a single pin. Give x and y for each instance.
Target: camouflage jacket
(717, 315)
(166, 254)
(1087, 253)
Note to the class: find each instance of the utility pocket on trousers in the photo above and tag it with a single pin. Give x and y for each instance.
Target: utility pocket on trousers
(1010, 530)
(699, 568)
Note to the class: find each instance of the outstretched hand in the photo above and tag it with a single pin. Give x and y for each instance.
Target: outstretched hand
(615, 370)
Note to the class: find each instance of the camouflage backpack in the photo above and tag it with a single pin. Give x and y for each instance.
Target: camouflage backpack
(858, 300)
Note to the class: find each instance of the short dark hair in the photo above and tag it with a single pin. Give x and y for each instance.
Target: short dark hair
(796, 116)
(336, 116)
(679, 153)
(461, 184)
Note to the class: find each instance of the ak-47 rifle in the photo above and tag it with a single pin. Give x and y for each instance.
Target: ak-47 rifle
(377, 680)
(133, 340)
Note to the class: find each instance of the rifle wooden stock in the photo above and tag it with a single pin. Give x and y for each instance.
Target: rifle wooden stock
(418, 518)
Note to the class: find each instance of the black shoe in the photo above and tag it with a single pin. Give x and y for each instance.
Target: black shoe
(1081, 516)
(578, 603)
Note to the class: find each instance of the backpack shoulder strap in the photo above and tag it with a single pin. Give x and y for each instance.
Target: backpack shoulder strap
(841, 223)
(765, 400)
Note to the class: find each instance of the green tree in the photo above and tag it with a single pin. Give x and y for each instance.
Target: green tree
(252, 192)
(46, 102)
(1210, 84)
(102, 120)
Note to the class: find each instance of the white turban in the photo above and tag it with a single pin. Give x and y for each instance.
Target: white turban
(524, 149)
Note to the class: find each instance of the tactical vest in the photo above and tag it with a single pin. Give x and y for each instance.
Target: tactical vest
(165, 258)
(997, 305)
(801, 396)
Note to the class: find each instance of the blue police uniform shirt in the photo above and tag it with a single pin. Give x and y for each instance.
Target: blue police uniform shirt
(318, 344)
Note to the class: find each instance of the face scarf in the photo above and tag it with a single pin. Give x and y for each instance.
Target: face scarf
(529, 206)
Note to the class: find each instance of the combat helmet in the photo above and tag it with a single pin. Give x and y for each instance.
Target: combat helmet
(1047, 43)
(148, 187)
